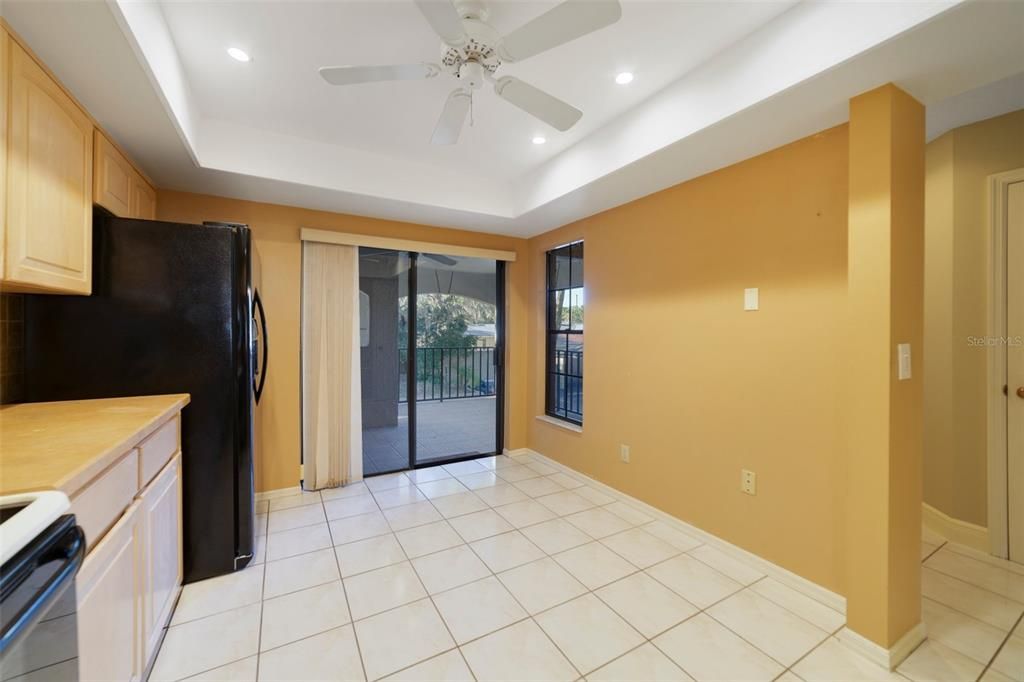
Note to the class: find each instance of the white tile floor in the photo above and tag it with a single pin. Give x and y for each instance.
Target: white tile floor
(504, 569)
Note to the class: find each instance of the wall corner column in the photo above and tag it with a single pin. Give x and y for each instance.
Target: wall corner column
(884, 417)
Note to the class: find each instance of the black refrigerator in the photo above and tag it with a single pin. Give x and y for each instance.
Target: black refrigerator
(175, 308)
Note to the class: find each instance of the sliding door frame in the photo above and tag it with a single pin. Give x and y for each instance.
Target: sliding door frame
(410, 355)
(499, 367)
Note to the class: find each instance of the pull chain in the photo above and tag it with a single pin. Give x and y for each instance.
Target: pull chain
(470, 108)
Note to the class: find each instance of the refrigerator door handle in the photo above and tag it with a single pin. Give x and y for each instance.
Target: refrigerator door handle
(258, 385)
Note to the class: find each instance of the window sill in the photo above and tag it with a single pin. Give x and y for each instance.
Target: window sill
(559, 423)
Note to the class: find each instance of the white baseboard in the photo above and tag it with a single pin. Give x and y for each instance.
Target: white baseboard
(799, 583)
(955, 530)
(876, 653)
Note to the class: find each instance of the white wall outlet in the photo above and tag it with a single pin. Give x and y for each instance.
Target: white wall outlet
(624, 453)
(750, 299)
(903, 361)
(748, 482)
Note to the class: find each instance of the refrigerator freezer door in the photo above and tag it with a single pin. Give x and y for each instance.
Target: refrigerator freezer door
(170, 313)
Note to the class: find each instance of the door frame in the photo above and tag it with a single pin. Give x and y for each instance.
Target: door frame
(499, 369)
(998, 387)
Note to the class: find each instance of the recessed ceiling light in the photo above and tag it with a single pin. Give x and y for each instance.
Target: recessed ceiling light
(624, 78)
(239, 54)
(539, 140)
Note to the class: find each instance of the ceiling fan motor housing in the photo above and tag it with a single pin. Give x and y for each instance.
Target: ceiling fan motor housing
(479, 50)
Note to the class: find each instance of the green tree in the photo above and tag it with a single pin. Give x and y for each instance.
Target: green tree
(441, 322)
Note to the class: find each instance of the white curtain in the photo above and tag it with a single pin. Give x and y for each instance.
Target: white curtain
(332, 435)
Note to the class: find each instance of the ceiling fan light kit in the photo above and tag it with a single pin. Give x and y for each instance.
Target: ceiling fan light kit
(472, 51)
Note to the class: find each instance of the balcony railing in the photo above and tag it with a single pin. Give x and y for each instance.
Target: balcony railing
(449, 373)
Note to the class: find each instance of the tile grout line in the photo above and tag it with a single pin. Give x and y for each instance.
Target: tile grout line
(974, 585)
(999, 649)
(932, 553)
(494, 575)
(430, 596)
(546, 554)
(639, 570)
(632, 526)
(704, 610)
(440, 615)
(344, 588)
(971, 616)
(263, 592)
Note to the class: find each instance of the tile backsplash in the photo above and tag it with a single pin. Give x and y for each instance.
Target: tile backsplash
(12, 348)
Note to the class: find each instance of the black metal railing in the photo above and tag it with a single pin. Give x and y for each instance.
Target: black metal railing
(449, 373)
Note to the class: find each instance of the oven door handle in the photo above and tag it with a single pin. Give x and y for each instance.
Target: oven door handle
(73, 554)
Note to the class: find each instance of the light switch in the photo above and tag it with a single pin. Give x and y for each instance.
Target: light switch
(750, 297)
(903, 361)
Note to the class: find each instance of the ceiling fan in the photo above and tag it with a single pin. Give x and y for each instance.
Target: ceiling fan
(472, 51)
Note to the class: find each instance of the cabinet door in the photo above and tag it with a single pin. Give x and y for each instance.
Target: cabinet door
(112, 178)
(49, 183)
(161, 565)
(108, 605)
(5, 79)
(143, 199)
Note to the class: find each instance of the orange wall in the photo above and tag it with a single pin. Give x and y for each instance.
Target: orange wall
(883, 415)
(696, 386)
(276, 232)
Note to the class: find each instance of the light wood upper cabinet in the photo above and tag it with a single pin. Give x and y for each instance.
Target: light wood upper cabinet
(48, 240)
(117, 186)
(54, 165)
(143, 200)
(112, 178)
(5, 78)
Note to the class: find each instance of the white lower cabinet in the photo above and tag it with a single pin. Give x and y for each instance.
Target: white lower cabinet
(107, 586)
(130, 579)
(161, 557)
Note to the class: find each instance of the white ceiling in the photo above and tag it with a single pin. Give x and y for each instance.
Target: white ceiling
(280, 90)
(716, 82)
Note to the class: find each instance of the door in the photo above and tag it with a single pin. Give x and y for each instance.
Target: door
(161, 560)
(1015, 368)
(108, 612)
(431, 338)
(49, 183)
(457, 358)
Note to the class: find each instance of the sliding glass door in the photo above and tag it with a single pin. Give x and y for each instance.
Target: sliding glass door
(432, 336)
(383, 283)
(456, 359)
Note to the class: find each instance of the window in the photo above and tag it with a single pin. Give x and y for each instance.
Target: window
(564, 364)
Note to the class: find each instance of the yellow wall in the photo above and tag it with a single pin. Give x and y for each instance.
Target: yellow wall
(696, 386)
(938, 324)
(883, 414)
(276, 232)
(957, 277)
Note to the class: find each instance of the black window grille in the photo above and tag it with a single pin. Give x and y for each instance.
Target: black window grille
(564, 362)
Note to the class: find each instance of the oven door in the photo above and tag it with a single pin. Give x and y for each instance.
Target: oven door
(38, 632)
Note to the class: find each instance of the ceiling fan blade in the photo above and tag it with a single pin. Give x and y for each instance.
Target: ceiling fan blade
(453, 116)
(444, 19)
(565, 22)
(352, 75)
(538, 103)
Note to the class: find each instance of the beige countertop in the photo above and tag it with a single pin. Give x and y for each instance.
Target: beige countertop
(64, 445)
